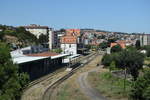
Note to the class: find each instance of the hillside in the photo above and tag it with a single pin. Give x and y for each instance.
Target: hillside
(16, 35)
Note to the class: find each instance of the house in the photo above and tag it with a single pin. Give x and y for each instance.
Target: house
(69, 44)
(70, 40)
(121, 43)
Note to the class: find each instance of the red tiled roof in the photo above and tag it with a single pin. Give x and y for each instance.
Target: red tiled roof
(45, 54)
(113, 44)
(75, 32)
(69, 39)
(120, 43)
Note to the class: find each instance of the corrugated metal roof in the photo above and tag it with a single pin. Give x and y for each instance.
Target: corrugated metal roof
(26, 59)
(18, 57)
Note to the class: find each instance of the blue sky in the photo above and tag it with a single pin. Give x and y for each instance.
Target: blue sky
(112, 15)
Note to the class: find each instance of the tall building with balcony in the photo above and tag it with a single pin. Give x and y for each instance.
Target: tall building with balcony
(53, 39)
(145, 39)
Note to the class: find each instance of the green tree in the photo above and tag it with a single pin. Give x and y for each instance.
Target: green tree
(43, 38)
(130, 48)
(112, 66)
(103, 45)
(108, 59)
(59, 50)
(88, 47)
(147, 48)
(62, 30)
(1, 36)
(24, 37)
(137, 44)
(110, 40)
(141, 87)
(11, 82)
(130, 60)
(116, 48)
(101, 37)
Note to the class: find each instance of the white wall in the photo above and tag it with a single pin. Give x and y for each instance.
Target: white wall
(50, 42)
(145, 40)
(69, 48)
(38, 32)
(86, 41)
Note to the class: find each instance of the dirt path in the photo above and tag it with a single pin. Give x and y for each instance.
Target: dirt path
(78, 82)
(87, 89)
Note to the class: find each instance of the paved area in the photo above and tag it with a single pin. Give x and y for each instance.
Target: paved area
(87, 89)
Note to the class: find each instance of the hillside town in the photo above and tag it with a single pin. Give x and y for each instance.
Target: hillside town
(74, 41)
(74, 50)
(40, 51)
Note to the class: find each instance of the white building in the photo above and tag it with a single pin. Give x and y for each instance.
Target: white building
(53, 39)
(69, 48)
(69, 44)
(145, 39)
(37, 30)
(70, 41)
(50, 42)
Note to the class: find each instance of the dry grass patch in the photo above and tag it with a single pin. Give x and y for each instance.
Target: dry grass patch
(108, 85)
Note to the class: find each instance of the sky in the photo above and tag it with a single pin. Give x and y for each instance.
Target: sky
(111, 15)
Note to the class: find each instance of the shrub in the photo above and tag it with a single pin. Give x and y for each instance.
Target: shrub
(141, 87)
(11, 82)
(116, 48)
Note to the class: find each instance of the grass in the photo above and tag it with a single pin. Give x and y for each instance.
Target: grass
(110, 86)
(70, 92)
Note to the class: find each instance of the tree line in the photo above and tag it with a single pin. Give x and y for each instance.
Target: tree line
(131, 60)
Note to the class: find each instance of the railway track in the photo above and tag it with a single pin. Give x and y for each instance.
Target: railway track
(50, 76)
(51, 88)
(47, 77)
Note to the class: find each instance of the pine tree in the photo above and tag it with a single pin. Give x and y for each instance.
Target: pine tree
(11, 82)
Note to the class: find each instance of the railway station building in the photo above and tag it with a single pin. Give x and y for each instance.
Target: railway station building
(38, 64)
